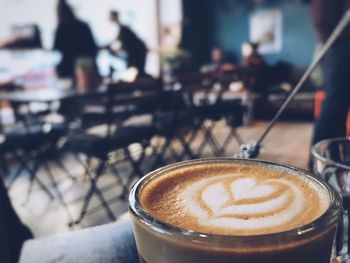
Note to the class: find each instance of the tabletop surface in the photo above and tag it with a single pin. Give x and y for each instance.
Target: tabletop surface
(51, 95)
(48, 95)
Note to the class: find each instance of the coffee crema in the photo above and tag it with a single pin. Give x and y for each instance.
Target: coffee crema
(234, 199)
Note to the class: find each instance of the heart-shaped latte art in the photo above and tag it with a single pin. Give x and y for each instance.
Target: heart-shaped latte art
(243, 202)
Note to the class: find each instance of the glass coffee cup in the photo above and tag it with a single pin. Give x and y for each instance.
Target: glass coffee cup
(331, 162)
(159, 241)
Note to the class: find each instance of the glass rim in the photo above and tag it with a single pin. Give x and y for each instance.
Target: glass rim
(329, 217)
(317, 155)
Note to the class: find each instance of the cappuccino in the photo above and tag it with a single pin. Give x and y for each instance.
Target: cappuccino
(231, 199)
(226, 210)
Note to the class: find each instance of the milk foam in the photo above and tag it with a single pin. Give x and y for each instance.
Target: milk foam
(272, 203)
(235, 199)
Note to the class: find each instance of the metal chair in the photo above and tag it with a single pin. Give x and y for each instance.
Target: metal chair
(204, 93)
(32, 148)
(120, 102)
(173, 121)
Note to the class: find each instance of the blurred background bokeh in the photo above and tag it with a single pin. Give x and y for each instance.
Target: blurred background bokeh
(96, 93)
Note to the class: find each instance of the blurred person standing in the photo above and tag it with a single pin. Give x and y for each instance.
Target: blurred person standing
(129, 42)
(254, 68)
(74, 40)
(336, 66)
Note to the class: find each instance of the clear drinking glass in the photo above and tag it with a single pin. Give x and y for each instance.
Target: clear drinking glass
(159, 242)
(331, 161)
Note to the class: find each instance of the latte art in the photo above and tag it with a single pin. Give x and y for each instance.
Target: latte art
(243, 203)
(234, 199)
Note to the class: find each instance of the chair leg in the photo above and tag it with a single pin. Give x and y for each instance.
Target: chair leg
(174, 155)
(212, 140)
(85, 165)
(193, 134)
(203, 143)
(32, 174)
(186, 149)
(119, 182)
(86, 203)
(94, 189)
(63, 167)
(54, 184)
(160, 155)
(33, 178)
(154, 155)
(227, 141)
(209, 139)
(13, 178)
(105, 205)
(136, 169)
(233, 134)
(99, 172)
(238, 137)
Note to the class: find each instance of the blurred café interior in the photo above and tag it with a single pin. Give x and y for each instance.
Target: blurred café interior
(96, 94)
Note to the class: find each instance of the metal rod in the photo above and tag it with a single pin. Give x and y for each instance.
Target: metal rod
(253, 147)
